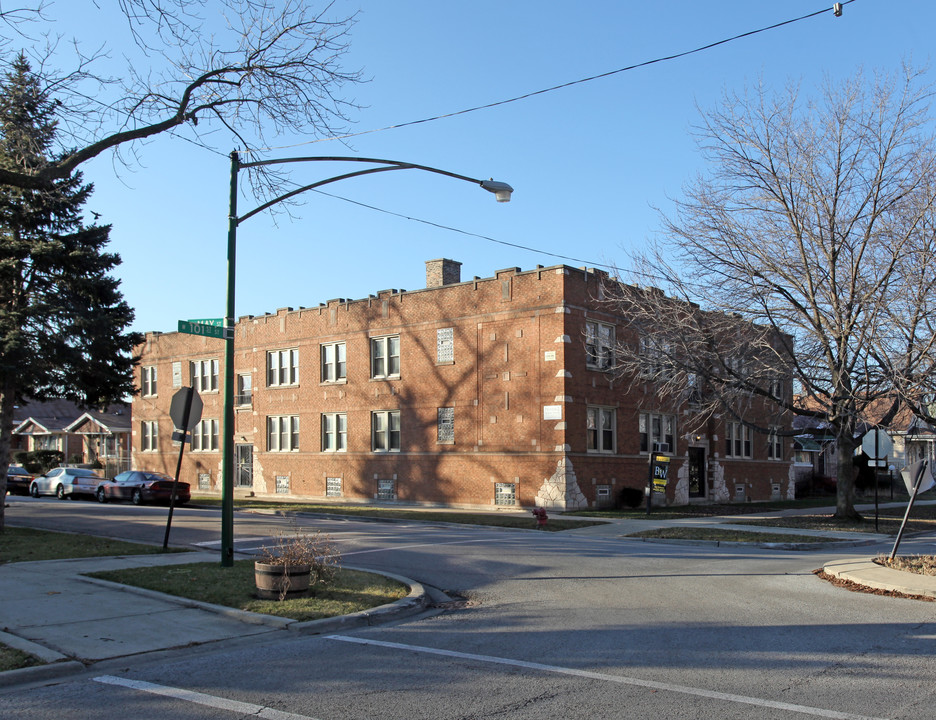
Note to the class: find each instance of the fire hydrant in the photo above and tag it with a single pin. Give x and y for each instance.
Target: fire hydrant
(541, 517)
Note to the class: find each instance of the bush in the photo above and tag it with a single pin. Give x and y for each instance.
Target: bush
(296, 547)
(632, 497)
(39, 461)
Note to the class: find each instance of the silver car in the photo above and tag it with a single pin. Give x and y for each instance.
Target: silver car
(66, 482)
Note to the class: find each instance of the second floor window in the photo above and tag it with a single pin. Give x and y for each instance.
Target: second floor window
(148, 381)
(385, 357)
(599, 345)
(334, 364)
(205, 375)
(244, 389)
(283, 367)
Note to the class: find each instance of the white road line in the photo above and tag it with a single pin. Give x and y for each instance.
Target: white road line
(217, 543)
(233, 706)
(667, 687)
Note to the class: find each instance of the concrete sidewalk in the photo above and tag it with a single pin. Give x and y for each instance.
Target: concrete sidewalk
(50, 610)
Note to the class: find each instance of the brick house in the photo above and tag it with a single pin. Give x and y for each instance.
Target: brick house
(493, 391)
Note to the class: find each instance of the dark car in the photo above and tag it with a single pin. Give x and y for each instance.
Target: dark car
(66, 482)
(18, 480)
(140, 486)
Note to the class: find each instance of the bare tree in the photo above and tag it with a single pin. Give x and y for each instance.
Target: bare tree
(806, 249)
(249, 68)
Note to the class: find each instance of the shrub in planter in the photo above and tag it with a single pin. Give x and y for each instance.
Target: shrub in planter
(631, 497)
(295, 563)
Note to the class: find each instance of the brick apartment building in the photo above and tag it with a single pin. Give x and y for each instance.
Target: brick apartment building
(493, 391)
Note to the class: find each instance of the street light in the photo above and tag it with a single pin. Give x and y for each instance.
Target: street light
(501, 192)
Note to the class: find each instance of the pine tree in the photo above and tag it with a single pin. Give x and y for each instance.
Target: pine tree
(63, 320)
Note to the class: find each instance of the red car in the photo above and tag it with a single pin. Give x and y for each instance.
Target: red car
(141, 486)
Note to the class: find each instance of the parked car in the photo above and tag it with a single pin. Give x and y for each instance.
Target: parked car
(66, 482)
(141, 486)
(18, 480)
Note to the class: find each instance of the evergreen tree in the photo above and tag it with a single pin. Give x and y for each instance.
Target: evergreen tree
(63, 320)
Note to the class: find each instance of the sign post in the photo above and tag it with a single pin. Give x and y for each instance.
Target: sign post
(877, 445)
(185, 411)
(917, 478)
(656, 476)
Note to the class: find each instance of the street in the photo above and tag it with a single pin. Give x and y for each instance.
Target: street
(555, 625)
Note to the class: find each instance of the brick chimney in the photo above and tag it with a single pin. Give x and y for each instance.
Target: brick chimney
(442, 272)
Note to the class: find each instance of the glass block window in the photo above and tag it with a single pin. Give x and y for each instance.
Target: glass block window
(333, 487)
(446, 428)
(505, 494)
(386, 489)
(204, 481)
(445, 345)
(282, 483)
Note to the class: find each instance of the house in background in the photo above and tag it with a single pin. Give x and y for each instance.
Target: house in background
(83, 436)
(497, 391)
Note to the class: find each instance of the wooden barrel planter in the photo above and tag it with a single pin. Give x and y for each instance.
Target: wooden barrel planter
(281, 582)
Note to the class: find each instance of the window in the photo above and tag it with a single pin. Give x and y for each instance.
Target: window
(776, 387)
(385, 431)
(334, 432)
(446, 425)
(148, 381)
(599, 345)
(737, 440)
(333, 487)
(693, 390)
(205, 436)
(656, 429)
(445, 345)
(283, 433)
(386, 489)
(505, 494)
(205, 375)
(774, 445)
(283, 368)
(385, 357)
(149, 436)
(601, 429)
(244, 389)
(655, 359)
(334, 364)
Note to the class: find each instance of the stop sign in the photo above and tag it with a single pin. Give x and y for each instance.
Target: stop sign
(186, 399)
(876, 444)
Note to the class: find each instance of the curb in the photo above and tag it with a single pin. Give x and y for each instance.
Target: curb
(803, 547)
(59, 665)
(877, 577)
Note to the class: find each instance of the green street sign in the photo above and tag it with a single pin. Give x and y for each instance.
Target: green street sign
(216, 322)
(193, 328)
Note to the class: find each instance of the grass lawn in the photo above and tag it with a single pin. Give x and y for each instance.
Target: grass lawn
(27, 545)
(12, 659)
(922, 519)
(234, 587)
(555, 523)
(723, 535)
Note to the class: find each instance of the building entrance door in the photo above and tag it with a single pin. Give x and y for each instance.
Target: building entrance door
(243, 466)
(696, 472)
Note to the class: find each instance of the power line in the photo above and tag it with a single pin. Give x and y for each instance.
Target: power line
(572, 83)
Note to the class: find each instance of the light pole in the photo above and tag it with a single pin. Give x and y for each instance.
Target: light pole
(501, 191)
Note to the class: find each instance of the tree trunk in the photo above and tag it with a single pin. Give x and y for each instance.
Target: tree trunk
(7, 405)
(845, 490)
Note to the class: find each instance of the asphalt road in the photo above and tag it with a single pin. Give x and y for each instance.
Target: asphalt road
(556, 625)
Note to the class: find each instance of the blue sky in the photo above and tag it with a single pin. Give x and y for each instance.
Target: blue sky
(589, 163)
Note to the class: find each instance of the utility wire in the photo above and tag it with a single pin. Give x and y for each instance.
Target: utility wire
(572, 83)
(463, 232)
